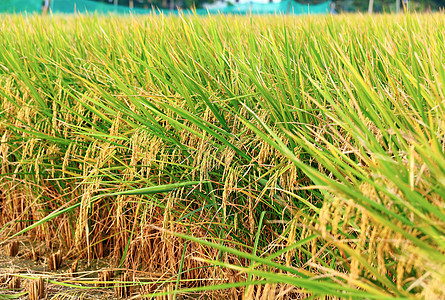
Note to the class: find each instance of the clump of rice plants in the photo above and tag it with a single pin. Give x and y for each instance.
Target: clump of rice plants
(275, 157)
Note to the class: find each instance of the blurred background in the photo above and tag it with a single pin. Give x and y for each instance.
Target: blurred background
(340, 5)
(221, 6)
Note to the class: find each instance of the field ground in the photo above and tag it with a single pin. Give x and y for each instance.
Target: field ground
(26, 268)
(226, 157)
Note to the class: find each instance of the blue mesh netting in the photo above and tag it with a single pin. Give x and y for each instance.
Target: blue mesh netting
(20, 6)
(70, 6)
(284, 7)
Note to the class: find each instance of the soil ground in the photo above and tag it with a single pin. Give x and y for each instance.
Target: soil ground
(64, 283)
(60, 284)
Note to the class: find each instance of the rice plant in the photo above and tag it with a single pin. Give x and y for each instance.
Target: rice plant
(248, 157)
